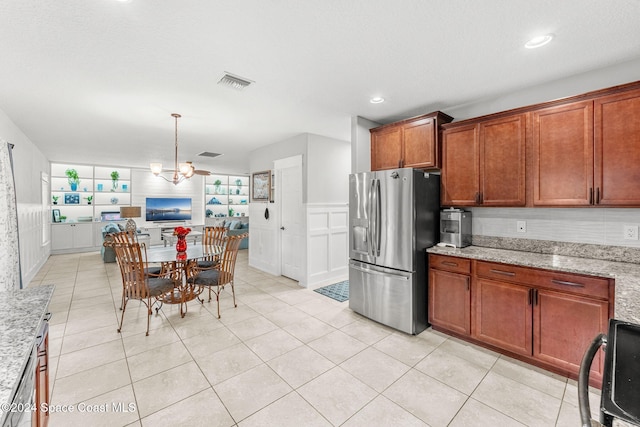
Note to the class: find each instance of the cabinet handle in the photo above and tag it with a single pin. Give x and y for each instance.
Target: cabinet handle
(530, 297)
(477, 198)
(590, 196)
(565, 283)
(452, 264)
(481, 198)
(535, 296)
(598, 196)
(504, 273)
(467, 280)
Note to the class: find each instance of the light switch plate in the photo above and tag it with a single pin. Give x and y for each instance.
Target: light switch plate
(630, 232)
(521, 226)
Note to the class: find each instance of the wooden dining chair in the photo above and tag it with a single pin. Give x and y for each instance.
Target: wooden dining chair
(136, 283)
(126, 238)
(212, 236)
(223, 274)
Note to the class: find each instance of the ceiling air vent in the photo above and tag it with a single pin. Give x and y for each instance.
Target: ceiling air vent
(209, 154)
(234, 81)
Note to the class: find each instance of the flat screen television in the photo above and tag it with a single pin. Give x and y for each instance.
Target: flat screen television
(161, 209)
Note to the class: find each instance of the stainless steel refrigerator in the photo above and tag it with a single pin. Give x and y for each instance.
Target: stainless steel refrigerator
(393, 217)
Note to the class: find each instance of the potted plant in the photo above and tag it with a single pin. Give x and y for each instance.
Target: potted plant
(89, 199)
(73, 178)
(217, 183)
(230, 211)
(63, 218)
(55, 199)
(115, 175)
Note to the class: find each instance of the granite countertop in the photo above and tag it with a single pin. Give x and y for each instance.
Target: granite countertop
(626, 274)
(22, 312)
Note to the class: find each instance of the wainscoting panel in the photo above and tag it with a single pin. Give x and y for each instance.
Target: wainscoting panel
(327, 242)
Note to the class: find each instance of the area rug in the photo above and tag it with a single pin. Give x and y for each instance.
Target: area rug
(338, 291)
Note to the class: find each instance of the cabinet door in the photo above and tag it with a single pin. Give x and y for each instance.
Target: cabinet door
(460, 166)
(61, 236)
(420, 150)
(450, 301)
(563, 155)
(41, 418)
(386, 148)
(564, 326)
(617, 145)
(502, 161)
(82, 235)
(502, 315)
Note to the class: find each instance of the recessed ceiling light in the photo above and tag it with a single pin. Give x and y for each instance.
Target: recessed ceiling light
(123, 1)
(376, 100)
(538, 41)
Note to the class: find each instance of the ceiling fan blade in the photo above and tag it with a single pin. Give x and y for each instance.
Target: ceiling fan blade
(201, 172)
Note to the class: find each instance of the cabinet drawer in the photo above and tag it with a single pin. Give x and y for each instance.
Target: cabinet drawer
(506, 273)
(596, 287)
(564, 282)
(450, 263)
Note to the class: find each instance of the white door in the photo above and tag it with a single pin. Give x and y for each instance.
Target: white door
(291, 220)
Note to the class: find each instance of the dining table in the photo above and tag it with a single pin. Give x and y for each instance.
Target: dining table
(169, 238)
(178, 265)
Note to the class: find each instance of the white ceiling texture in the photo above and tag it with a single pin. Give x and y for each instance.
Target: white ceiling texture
(95, 81)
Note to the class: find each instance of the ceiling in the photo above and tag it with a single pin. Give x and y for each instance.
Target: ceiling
(96, 81)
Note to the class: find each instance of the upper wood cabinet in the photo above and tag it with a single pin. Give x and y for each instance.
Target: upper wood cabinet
(563, 155)
(410, 143)
(484, 163)
(617, 149)
(587, 153)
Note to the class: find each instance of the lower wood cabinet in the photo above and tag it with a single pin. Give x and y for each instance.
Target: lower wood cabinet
(450, 301)
(540, 316)
(503, 315)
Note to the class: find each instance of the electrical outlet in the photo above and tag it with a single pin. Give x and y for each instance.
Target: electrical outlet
(521, 226)
(630, 232)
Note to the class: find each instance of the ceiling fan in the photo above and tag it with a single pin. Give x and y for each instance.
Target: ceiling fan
(181, 171)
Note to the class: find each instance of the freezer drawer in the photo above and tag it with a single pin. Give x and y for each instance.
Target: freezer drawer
(386, 296)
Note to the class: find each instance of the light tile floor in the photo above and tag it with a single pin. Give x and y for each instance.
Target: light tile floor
(286, 356)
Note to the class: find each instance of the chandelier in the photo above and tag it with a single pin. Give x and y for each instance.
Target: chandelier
(181, 171)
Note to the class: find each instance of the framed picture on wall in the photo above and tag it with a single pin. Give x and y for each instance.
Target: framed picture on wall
(261, 186)
(71, 198)
(56, 215)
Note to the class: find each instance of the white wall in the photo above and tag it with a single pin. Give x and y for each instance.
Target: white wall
(361, 144)
(144, 184)
(325, 169)
(588, 81)
(328, 166)
(33, 216)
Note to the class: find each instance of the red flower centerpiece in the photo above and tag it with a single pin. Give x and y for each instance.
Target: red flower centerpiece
(181, 232)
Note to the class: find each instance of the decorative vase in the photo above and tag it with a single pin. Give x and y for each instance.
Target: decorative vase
(114, 185)
(181, 245)
(74, 186)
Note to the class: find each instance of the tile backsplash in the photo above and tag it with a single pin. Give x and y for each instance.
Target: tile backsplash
(599, 226)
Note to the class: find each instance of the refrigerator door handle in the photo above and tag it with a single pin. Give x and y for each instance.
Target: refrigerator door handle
(373, 217)
(372, 249)
(379, 273)
(378, 214)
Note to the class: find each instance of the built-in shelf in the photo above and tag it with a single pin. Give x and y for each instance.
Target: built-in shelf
(94, 193)
(226, 195)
